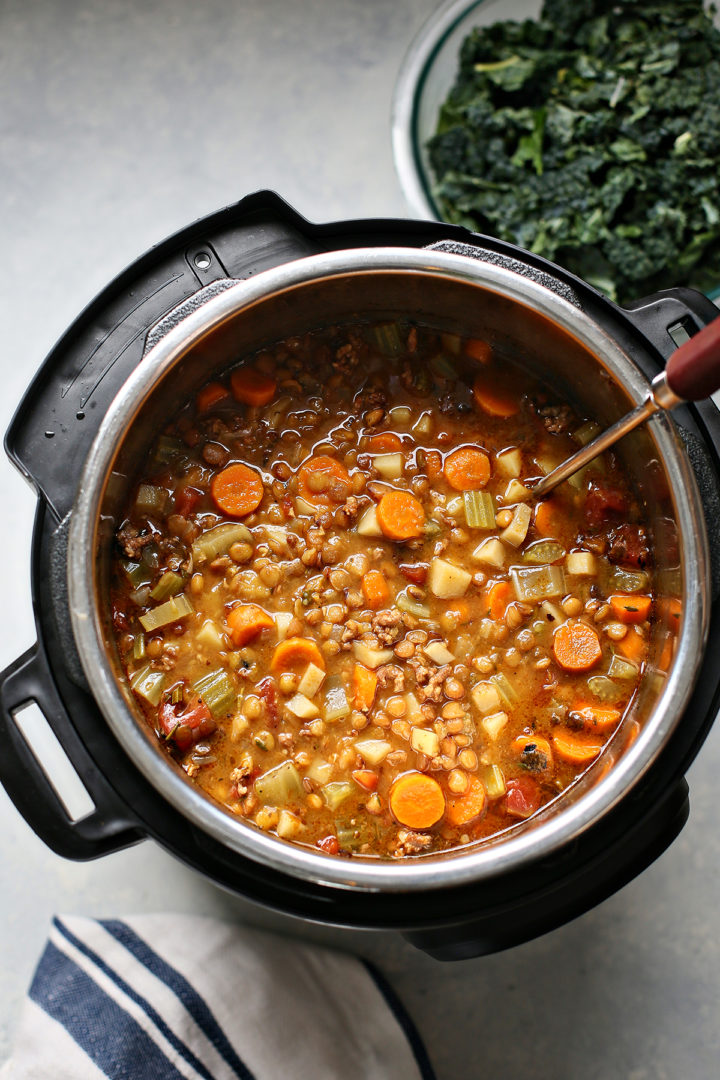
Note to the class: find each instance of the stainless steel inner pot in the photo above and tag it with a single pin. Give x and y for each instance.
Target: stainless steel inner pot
(526, 321)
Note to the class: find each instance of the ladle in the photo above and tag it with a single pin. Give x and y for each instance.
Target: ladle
(691, 374)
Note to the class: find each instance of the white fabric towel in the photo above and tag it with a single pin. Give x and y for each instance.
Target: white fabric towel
(165, 997)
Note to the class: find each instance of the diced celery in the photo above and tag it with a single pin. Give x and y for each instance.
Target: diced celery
(178, 607)
(493, 780)
(425, 742)
(139, 647)
(390, 466)
(368, 523)
(586, 433)
(280, 784)
(335, 793)
(168, 585)
(137, 573)
(505, 688)
(218, 540)
(516, 531)
(372, 658)
(438, 653)
(447, 581)
(302, 707)
(440, 365)
(151, 500)
(167, 448)
(579, 479)
(373, 751)
(628, 580)
(621, 669)
(604, 689)
(534, 583)
(451, 343)
(148, 684)
(543, 551)
(140, 596)
(387, 337)
(479, 509)
(336, 705)
(217, 691)
(412, 606)
(311, 681)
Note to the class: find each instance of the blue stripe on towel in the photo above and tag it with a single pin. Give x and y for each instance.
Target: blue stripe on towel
(183, 990)
(107, 1034)
(398, 1010)
(144, 1004)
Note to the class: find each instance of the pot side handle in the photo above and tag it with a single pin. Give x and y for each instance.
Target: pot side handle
(76, 814)
(671, 317)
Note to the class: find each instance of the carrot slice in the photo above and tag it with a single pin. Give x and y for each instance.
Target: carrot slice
(498, 599)
(462, 809)
(493, 399)
(433, 464)
(375, 589)
(323, 481)
(629, 608)
(633, 646)
(467, 469)
(416, 800)
(576, 646)
(364, 682)
(546, 519)
(245, 621)
(385, 442)
(479, 350)
(598, 718)
(295, 653)
(237, 490)
(366, 779)
(253, 387)
(575, 749)
(400, 515)
(534, 752)
(210, 395)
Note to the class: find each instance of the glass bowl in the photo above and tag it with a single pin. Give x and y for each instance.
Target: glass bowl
(426, 76)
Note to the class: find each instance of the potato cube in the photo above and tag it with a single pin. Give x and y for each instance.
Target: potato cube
(447, 581)
(494, 724)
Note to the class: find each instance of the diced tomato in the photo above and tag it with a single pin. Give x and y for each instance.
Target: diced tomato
(329, 844)
(523, 797)
(185, 726)
(602, 503)
(415, 572)
(267, 692)
(186, 499)
(629, 545)
(120, 621)
(366, 779)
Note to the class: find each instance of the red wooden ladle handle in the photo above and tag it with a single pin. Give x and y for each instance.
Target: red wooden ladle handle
(693, 370)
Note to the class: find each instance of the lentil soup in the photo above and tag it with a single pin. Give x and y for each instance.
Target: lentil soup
(344, 615)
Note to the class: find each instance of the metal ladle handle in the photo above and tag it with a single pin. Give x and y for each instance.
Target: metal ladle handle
(691, 374)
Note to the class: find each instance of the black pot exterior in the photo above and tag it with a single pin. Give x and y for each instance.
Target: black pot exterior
(258, 233)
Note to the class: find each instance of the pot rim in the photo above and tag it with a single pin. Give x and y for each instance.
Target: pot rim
(430, 872)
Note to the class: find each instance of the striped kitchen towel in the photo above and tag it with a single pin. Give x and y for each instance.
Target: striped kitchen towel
(165, 997)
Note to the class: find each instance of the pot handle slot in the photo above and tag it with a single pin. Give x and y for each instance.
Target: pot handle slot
(671, 318)
(47, 771)
(176, 315)
(527, 270)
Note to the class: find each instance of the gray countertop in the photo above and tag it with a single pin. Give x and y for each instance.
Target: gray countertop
(121, 121)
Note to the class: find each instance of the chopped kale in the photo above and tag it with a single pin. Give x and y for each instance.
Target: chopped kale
(592, 137)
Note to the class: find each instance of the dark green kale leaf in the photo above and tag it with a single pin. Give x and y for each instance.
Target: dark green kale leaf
(592, 137)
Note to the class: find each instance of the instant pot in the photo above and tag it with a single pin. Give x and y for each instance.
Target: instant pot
(93, 408)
